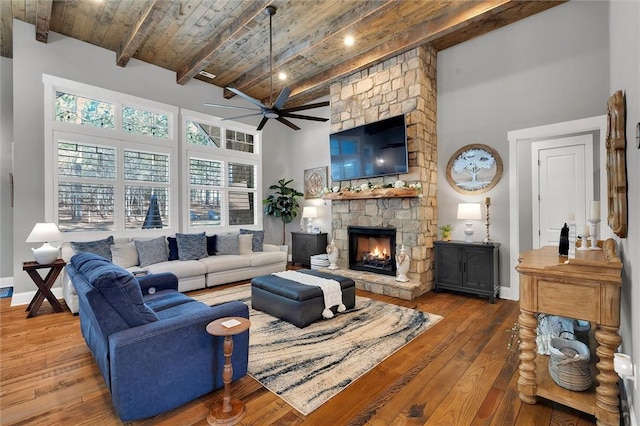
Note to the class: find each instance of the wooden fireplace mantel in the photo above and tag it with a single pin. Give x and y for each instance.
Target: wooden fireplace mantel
(372, 193)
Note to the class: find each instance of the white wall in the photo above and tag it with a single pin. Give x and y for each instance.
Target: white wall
(310, 149)
(75, 60)
(547, 68)
(624, 51)
(6, 137)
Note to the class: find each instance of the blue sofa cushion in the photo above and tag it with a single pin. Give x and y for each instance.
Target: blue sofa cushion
(118, 287)
(211, 245)
(257, 243)
(100, 247)
(173, 248)
(152, 251)
(192, 246)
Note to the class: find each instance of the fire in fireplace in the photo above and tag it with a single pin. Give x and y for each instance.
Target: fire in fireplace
(372, 249)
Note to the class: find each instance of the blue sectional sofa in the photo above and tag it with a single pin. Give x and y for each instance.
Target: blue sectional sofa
(148, 339)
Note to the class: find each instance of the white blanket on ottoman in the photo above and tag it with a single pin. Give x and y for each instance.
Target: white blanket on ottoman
(330, 289)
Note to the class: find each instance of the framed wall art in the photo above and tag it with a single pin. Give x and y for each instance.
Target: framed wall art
(474, 169)
(617, 164)
(315, 180)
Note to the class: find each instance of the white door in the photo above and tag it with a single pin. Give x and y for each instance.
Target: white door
(562, 186)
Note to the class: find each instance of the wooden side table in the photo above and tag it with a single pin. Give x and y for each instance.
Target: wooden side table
(587, 288)
(44, 285)
(230, 411)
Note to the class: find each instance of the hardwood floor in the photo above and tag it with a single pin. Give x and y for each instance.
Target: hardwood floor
(460, 372)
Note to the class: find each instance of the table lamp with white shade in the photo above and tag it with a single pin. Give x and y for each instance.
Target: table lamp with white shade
(309, 213)
(43, 233)
(469, 212)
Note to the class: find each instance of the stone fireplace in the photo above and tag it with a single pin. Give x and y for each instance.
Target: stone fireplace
(372, 249)
(404, 84)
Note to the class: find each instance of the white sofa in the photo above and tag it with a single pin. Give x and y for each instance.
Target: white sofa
(196, 274)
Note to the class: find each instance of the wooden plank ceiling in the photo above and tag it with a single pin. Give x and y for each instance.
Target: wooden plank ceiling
(230, 38)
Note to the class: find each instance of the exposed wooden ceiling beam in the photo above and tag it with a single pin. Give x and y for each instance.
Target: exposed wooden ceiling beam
(205, 56)
(359, 12)
(455, 23)
(149, 18)
(43, 18)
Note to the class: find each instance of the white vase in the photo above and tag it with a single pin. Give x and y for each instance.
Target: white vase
(403, 261)
(332, 254)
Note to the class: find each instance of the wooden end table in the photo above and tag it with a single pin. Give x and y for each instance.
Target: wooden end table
(230, 411)
(44, 285)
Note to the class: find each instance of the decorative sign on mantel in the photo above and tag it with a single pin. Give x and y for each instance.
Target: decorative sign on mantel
(347, 194)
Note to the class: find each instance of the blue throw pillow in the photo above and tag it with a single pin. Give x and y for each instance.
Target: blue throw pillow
(257, 244)
(100, 247)
(228, 243)
(192, 246)
(152, 251)
(173, 248)
(211, 245)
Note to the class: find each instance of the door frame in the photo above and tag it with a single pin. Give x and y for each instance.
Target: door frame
(520, 140)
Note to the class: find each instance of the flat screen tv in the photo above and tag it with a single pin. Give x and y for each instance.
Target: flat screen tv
(374, 149)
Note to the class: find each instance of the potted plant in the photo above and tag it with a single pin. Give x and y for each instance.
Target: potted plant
(283, 203)
(446, 232)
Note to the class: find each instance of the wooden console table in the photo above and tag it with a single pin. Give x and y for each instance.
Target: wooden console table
(586, 288)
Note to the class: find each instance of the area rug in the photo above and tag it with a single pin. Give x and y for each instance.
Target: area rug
(6, 292)
(306, 367)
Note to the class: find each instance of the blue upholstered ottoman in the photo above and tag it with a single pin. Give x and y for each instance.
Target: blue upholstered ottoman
(294, 302)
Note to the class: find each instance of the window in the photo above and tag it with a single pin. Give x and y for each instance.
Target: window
(84, 111)
(205, 194)
(203, 134)
(239, 141)
(114, 160)
(222, 179)
(142, 122)
(146, 191)
(112, 163)
(86, 186)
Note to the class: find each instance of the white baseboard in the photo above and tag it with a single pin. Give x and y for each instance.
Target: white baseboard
(24, 298)
(627, 402)
(6, 282)
(508, 293)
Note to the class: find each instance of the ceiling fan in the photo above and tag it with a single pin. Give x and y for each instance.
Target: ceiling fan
(274, 110)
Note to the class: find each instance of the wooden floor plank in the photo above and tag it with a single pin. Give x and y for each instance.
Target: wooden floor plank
(457, 373)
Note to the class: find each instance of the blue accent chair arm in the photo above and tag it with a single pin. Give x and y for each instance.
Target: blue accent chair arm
(179, 360)
(161, 281)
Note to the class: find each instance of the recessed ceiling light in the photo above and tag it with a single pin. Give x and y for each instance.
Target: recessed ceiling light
(207, 74)
(282, 76)
(348, 40)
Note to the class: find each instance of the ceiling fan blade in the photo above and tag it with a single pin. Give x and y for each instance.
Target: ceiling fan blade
(230, 107)
(303, 117)
(242, 116)
(303, 107)
(288, 123)
(282, 98)
(247, 97)
(262, 123)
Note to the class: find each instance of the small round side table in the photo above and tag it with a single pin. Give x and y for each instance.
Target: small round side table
(230, 411)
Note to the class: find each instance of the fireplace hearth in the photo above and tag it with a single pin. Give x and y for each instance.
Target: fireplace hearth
(372, 249)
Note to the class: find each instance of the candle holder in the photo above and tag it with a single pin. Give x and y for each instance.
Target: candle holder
(594, 236)
(573, 233)
(487, 239)
(584, 237)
